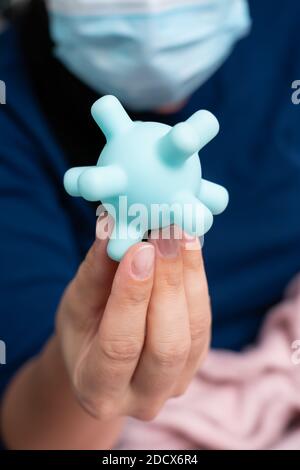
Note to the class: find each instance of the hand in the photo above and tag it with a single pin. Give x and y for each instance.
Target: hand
(132, 335)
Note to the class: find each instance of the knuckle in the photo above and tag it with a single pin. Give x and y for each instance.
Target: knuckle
(99, 408)
(170, 354)
(197, 334)
(136, 296)
(133, 294)
(146, 414)
(121, 350)
(86, 402)
(200, 332)
(201, 329)
(180, 391)
(102, 411)
(106, 410)
(173, 279)
(193, 261)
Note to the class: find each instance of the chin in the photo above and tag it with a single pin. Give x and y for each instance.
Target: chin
(171, 108)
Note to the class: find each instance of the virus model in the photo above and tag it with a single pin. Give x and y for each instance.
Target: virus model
(148, 175)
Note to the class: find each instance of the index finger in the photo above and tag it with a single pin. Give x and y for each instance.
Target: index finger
(120, 338)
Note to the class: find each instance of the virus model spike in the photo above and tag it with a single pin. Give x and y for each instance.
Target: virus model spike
(180, 143)
(214, 196)
(154, 167)
(191, 214)
(110, 116)
(98, 183)
(71, 180)
(206, 125)
(123, 238)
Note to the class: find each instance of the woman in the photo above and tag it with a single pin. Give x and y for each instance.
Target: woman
(89, 346)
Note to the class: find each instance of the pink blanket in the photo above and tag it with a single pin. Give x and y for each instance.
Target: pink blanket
(248, 400)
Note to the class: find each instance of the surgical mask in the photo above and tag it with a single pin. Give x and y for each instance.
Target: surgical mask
(148, 53)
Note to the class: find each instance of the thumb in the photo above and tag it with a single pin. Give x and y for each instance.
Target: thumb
(90, 288)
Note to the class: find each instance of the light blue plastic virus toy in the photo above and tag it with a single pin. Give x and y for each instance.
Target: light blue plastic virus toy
(157, 168)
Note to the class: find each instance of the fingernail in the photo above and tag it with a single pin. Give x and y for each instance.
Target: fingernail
(187, 237)
(104, 227)
(143, 262)
(190, 242)
(168, 247)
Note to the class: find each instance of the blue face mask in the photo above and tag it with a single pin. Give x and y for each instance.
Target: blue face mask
(149, 53)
